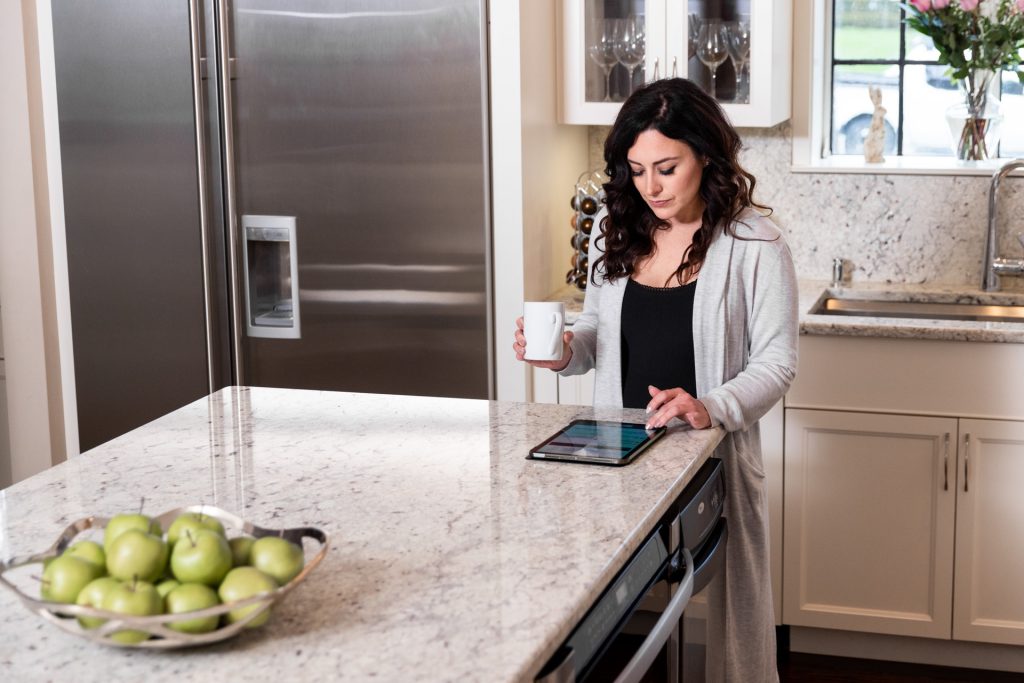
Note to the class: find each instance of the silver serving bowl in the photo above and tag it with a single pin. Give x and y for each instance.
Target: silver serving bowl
(162, 637)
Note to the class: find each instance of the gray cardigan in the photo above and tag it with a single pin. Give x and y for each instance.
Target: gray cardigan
(744, 326)
(745, 339)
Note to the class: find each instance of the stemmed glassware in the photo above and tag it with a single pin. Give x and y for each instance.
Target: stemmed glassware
(712, 48)
(693, 24)
(602, 53)
(630, 45)
(738, 42)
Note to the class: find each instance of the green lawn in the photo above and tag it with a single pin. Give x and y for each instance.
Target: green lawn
(867, 43)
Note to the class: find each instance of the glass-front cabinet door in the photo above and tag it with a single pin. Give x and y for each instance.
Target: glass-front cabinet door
(738, 50)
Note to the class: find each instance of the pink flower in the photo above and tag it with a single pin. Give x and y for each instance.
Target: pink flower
(969, 5)
(1020, 5)
(921, 5)
(941, 4)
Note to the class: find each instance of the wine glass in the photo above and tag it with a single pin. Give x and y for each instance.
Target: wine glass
(602, 53)
(630, 45)
(711, 48)
(693, 24)
(738, 35)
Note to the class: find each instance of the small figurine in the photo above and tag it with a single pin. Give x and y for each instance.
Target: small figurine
(874, 143)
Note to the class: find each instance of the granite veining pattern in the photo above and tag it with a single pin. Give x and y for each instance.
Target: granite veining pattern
(452, 557)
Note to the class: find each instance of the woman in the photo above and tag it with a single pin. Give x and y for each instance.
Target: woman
(692, 314)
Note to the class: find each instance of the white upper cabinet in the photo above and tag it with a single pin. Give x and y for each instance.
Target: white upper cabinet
(602, 41)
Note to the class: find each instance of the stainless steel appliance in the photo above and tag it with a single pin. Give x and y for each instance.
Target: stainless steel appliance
(288, 193)
(653, 622)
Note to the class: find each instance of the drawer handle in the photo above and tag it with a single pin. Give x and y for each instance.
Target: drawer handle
(945, 464)
(967, 457)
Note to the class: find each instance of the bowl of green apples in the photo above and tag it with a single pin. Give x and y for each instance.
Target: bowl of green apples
(190, 576)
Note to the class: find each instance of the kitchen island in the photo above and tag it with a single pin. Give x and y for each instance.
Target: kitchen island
(452, 557)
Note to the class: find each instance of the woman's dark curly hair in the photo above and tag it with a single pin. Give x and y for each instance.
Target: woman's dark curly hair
(677, 109)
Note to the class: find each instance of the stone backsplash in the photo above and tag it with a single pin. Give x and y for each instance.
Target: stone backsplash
(913, 229)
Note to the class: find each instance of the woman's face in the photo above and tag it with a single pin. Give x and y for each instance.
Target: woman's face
(667, 174)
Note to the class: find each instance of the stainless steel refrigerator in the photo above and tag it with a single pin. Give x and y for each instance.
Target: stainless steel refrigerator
(288, 193)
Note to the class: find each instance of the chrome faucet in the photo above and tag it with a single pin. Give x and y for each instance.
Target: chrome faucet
(994, 265)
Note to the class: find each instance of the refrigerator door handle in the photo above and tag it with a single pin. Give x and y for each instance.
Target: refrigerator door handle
(198, 75)
(224, 63)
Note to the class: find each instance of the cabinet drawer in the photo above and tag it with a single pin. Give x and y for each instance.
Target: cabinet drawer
(910, 376)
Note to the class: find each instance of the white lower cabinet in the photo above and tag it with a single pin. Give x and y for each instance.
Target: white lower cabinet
(989, 598)
(869, 519)
(881, 508)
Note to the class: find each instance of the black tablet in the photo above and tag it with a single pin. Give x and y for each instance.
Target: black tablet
(597, 441)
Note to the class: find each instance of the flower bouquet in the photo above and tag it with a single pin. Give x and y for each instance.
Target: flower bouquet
(976, 39)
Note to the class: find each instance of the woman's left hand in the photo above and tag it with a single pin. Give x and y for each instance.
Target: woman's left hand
(669, 403)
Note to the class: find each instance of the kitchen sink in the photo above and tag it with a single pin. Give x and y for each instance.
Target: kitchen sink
(929, 310)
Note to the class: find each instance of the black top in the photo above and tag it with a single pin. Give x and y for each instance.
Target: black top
(657, 341)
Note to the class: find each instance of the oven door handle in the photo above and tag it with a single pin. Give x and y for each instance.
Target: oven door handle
(666, 624)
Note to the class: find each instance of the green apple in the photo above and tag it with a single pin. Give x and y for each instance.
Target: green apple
(242, 583)
(189, 597)
(119, 524)
(165, 587)
(194, 522)
(66, 576)
(136, 598)
(136, 554)
(90, 551)
(201, 557)
(93, 595)
(240, 549)
(282, 560)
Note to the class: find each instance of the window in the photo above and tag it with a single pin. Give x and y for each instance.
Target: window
(871, 46)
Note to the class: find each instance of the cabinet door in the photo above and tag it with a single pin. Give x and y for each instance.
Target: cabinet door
(670, 32)
(869, 514)
(596, 61)
(989, 600)
(576, 390)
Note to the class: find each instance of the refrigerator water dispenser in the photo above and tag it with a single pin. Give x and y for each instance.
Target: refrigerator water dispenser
(271, 277)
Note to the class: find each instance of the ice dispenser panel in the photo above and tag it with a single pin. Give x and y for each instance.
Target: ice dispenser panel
(271, 277)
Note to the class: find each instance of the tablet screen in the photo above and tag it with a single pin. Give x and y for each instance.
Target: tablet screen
(597, 441)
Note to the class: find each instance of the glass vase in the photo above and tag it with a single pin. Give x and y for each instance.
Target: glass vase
(974, 124)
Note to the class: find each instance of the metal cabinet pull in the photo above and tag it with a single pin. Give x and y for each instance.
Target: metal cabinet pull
(945, 463)
(967, 457)
(675, 70)
(657, 67)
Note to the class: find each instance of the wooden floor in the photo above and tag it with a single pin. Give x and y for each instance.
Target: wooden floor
(796, 667)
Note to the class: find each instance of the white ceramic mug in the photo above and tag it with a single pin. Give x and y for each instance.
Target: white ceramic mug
(543, 325)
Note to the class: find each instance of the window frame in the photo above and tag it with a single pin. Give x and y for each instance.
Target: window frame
(813, 29)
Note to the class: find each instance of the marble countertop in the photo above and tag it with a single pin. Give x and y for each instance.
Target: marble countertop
(811, 291)
(452, 558)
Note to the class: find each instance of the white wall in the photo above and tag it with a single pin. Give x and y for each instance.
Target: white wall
(535, 163)
(29, 280)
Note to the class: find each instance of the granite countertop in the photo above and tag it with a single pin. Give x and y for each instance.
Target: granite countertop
(452, 557)
(907, 328)
(811, 291)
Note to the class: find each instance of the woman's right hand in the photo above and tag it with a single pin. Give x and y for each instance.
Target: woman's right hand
(519, 346)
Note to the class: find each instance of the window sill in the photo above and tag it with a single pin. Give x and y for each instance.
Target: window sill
(935, 165)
